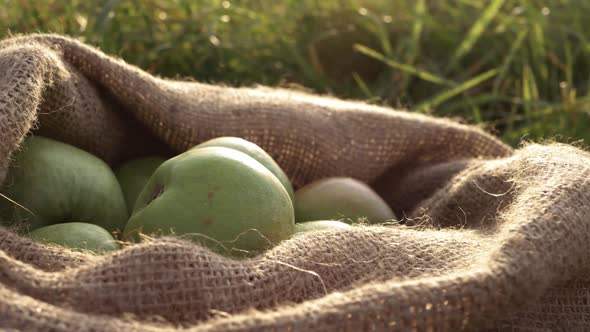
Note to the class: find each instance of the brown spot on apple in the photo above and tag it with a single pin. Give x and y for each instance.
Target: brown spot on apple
(158, 191)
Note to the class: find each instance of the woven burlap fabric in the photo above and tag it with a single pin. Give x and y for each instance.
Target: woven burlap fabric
(493, 238)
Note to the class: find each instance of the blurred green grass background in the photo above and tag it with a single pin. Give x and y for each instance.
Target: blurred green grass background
(518, 68)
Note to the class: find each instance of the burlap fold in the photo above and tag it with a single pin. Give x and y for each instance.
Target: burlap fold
(491, 238)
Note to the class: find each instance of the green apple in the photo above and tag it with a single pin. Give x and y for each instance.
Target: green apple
(133, 175)
(53, 182)
(318, 225)
(255, 152)
(77, 235)
(218, 197)
(340, 198)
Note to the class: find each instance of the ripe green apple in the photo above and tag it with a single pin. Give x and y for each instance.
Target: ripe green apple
(340, 198)
(77, 235)
(318, 225)
(218, 197)
(255, 152)
(53, 182)
(133, 175)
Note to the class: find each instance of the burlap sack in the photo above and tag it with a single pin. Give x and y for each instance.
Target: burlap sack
(493, 239)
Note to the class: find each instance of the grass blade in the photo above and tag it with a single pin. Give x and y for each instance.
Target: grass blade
(569, 63)
(362, 85)
(530, 92)
(417, 27)
(476, 31)
(444, 96)
(539, 50)
(420, 11)
(509, 58)
(102, 21)
(403, 67)
(475, 110)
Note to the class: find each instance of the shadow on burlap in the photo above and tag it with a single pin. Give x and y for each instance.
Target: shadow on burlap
(493, 238)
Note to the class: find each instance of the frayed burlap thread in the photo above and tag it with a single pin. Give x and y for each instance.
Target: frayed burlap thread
(492, 238)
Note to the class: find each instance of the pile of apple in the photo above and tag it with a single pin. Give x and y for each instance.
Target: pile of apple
(227, 194)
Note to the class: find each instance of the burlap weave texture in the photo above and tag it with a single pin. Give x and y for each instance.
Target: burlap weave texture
(493, 238)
